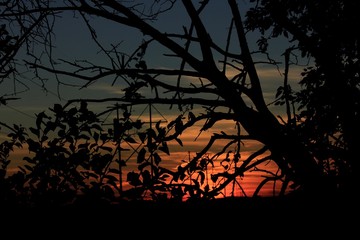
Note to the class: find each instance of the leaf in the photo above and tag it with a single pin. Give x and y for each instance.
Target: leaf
(279, 91)
(109, 149)
(83, 107)
(29, 160)
(22, 169)
(179, 141)
(96, 137)
(44, 138)
(141, 156)
(191, 116)
(208, 124)
(103, 137)
(133, 178)
(130, 140)
(157, 125)
(121, 162)
(111, 178)
(202, 177)
(286, 34)
(157, 158)
(72, 111)
(28, 167)
(83, 136)
(137, 124)
(151, 133)
(170, 124)
(164, 147)
(35, 131)
(39, 119)
(61, 133)
(179, 126)
(143, 165)
(57, 109)
(83, 145)
(146, 177)
(164, 176)
(91, 174)
(214, 178)
(33, 146)
(142, 136)
(50, 126)
(142, 65)
(115, 186)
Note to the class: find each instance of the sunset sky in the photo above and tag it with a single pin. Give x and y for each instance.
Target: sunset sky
(73, 42)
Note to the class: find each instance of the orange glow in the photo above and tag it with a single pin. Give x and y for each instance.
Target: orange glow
(193, 143)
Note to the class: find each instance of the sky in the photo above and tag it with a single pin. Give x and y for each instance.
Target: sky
(72, 40)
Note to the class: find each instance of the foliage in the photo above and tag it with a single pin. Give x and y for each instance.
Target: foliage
(328, 103)
(72, 160)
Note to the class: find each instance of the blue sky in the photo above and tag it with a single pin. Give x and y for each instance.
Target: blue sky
(72, 40)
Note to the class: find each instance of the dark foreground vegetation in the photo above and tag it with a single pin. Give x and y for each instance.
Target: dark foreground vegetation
(285, 217)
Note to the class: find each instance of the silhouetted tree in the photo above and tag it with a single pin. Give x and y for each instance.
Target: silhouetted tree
(326, 31)
(299, 145)
(12, 40)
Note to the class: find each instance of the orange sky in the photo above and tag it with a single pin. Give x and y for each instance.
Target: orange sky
(191, 146)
